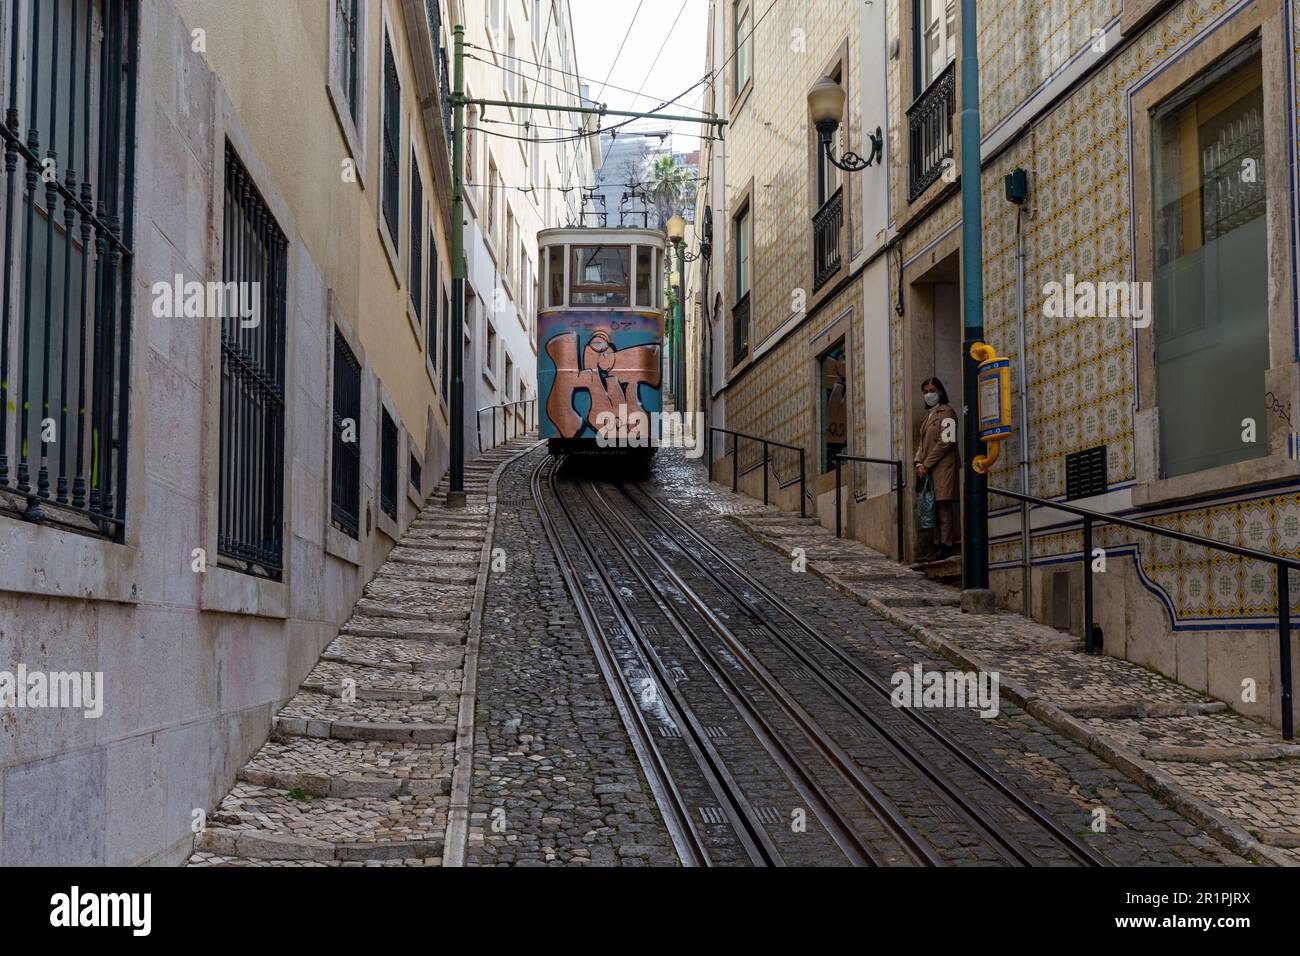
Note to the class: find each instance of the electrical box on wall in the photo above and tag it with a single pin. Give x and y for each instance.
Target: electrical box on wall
(1017, 186)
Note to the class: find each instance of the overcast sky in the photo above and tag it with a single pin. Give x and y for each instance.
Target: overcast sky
(600, 26)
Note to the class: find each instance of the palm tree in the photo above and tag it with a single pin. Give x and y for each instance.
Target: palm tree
(667, 187)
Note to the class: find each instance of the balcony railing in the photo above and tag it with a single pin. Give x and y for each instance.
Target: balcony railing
(929, 132)
(740, 330)
(440, 54)
(826, 239)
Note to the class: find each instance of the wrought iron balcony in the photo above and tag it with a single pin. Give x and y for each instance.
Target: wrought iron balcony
(929, 132)
(827, 225)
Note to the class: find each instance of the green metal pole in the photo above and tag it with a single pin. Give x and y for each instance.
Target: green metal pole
(679, 334)
(456, 492)
(975, 505)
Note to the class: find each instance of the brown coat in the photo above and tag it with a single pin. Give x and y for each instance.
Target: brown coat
(942, 459)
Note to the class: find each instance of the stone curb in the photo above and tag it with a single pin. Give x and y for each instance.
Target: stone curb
(457, 832)
(1141, 771)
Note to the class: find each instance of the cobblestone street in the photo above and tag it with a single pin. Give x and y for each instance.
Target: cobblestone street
(555, 776)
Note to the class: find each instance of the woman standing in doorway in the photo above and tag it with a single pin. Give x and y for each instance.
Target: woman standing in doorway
(938, 459)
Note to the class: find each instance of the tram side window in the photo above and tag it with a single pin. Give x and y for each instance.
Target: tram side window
(555, 277)
(659, 281)
(599, 276)
(645, 277)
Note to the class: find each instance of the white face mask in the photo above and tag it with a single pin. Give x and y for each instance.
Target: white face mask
(931, 399)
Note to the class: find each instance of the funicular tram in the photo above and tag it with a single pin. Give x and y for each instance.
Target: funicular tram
(600, 334)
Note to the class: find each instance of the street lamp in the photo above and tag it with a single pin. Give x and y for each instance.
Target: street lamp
(676, 227)
(826, 104)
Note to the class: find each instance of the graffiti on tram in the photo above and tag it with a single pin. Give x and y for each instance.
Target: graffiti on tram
(597, 365)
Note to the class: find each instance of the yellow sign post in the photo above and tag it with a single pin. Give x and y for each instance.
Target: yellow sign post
(993, 384)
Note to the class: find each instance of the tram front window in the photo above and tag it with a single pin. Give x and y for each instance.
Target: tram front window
(600, 276)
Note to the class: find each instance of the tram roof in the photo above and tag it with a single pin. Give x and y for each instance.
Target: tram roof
(598, 235)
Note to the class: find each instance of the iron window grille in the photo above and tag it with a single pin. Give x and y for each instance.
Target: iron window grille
(388, 465)
(345, 468)
(446, 344)
(251, 522)
(70, 74)
(392, 137)
(417, 240)
(346, 13)
(415, 474)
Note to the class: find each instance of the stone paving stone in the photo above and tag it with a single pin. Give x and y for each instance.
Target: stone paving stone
(555, 780)
(364, 780)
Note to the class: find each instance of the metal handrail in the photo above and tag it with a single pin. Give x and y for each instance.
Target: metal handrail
(478, 420)
(897, 465)
(1281, 565)
(766, 443)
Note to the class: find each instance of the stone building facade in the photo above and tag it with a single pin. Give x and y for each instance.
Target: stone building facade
(259, 470)
(523, 170)
(1159, 144)
(796, 293)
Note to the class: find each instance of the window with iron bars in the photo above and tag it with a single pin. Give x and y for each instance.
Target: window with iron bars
(388, 465)
(392, 138)
(345, 469)
(68, 79)
(416, 282)
(251, 522)
(416, 473)
(345, 14)
(446, 343)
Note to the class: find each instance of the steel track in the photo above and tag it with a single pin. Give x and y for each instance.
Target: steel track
(1011, 849)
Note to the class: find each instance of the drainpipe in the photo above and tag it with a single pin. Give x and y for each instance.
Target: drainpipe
(976, 596)
(1027, 582)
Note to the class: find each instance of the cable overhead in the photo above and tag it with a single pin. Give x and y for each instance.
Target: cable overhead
(640, 4)
(640, 94)
(655, 61)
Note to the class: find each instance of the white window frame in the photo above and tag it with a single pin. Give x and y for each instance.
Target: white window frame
(351, 129)
(392, 243)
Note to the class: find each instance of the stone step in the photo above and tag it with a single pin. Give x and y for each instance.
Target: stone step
(350, 768)
(267, 823)
(438, 541)
(427, 573)
(382, 683)
(446, 533)
(431, 558)
(296, 726)
(206, 859)
(384, 611)
(394, 654)
(416, 607)
(444, 631)
(313, 705)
